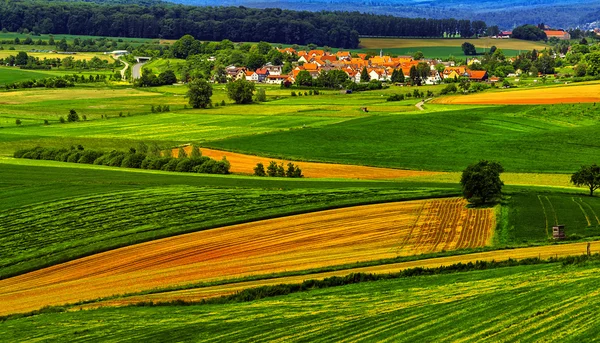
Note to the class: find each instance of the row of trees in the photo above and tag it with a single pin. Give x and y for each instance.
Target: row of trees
(23, 60)
(141, 157)
(336, 29)
(278, 170)
(55, 82)
(240, 91)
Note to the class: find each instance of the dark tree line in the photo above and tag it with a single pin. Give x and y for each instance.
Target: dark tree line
(336, 29)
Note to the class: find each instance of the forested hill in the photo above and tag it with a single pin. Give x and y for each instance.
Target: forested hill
(506, 13)
(335, 29)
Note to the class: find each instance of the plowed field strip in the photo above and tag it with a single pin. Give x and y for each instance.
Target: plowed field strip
(197, 294)
(244, 164)
(294, 243)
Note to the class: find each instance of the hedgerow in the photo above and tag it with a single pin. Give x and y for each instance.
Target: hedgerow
(130, 159)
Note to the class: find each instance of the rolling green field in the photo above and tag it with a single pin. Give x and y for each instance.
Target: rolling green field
(556, 138)
(524, 303)
(12, 74)
(444, 48)
(532, 215)
(327, 128)
(435, 51)
(80, 211)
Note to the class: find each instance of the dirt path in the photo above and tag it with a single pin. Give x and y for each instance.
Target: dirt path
(124, 69)
(293, 243)
(244, 164)
(421, 103)
(198, 294)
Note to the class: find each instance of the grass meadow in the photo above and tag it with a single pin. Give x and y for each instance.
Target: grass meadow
(444, 48)
(552, 138)
(522, 303)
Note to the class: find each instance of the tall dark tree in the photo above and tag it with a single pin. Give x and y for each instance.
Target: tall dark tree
(481, 182)
(240, 91)
(199, 93)
(364, 75)
(588, 176)
(468, 49)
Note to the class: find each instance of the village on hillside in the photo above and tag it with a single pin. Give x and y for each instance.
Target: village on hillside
(379, 68)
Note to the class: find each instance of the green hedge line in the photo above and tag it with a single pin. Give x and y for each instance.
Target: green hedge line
(130, 159)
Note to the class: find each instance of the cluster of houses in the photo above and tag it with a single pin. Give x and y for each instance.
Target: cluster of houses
(379, 67)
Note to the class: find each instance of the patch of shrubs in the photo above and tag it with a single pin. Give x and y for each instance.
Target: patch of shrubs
(395, 97)
(278, 170)
(450, 88)
(134, 158)
(56, 82)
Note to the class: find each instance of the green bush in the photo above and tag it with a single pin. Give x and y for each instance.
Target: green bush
(395, 97)
(133, 160)
(170, 165)
(74, 157)
(185, 165)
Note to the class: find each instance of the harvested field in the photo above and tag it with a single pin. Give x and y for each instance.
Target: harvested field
(293, 243)
(197, 294)
(539, 96)
(42, 55)
(244, 164)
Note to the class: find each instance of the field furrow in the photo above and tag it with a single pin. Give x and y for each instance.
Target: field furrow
(295, 243)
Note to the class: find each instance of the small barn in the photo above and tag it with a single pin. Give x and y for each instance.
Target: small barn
(558, 232)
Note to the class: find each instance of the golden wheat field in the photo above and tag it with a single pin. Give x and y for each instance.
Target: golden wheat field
(197, 294)
(294, 243)
(47, 55)
(244, 164)
(543, 95)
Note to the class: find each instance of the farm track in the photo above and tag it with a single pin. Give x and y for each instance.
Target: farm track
(294, 243)
(198, 294)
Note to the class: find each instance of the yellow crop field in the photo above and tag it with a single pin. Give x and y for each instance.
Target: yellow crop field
(197, 294)
(294, 243)
(244, 164)
(391, 43)
(41, 55)
(543, 95)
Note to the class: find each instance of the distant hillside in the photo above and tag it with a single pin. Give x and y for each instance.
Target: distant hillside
(506, 14)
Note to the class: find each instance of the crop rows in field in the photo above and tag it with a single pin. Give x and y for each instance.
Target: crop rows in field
(293, 243)
(46, 233)
(196, 294)
(532, 215)
(525, 303)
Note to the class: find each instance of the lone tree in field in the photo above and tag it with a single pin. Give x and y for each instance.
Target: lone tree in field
(241, 91)
(259, 170)
(73, 116)
(481, 182)
(587, 176)
(468, 49)
(199, 93)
